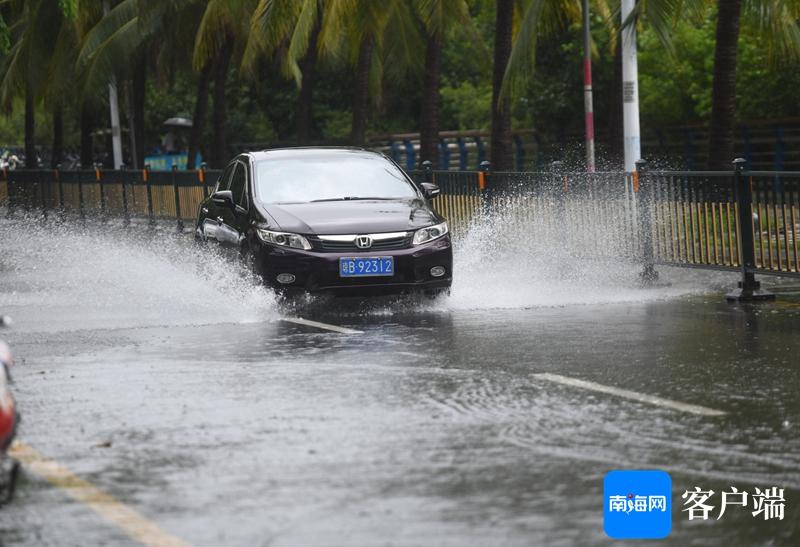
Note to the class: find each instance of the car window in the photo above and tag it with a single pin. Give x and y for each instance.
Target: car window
(224, 180)
(310, 177)
(238, 184)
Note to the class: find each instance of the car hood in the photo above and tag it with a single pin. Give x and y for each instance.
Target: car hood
(352, 217)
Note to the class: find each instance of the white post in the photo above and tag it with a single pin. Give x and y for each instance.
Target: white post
(630, 90)
(113, 105)
(588, 107)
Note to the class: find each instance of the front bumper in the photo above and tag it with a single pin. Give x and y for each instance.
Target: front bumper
(318, 272)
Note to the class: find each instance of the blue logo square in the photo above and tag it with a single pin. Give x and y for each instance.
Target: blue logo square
(637, 504)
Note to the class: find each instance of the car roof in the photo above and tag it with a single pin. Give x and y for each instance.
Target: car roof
(313, 151)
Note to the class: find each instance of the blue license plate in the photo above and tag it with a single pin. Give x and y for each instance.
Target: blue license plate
(366, 267)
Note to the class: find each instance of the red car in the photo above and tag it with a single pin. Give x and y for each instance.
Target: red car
(8, 426)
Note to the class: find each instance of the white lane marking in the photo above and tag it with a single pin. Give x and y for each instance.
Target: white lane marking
(317, 324)
(132, 523)
(641, 397)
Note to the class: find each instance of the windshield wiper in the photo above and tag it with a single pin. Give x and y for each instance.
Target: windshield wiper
(350, 198)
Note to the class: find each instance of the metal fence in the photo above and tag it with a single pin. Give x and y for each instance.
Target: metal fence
(735, 220)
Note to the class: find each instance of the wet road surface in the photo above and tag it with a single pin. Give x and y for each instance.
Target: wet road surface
(175, 385)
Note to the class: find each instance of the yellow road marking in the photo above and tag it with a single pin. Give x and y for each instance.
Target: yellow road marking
(125, 518)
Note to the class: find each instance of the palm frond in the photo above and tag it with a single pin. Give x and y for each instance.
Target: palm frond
(522, 61)
(775, 22)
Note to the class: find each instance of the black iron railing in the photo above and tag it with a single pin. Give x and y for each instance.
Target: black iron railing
(736, 220)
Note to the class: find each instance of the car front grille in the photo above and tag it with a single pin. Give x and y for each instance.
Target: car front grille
(350, 246)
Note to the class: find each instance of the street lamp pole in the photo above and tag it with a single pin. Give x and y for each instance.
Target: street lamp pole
(630, 89)
(588, 106)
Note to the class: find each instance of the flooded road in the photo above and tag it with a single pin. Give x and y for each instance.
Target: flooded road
(171, 382)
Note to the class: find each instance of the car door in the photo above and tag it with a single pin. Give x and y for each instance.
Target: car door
(211, 212)
(230, 229)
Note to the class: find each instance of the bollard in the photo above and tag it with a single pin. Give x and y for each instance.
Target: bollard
(644, 206)
(748, 290)
(177, 198)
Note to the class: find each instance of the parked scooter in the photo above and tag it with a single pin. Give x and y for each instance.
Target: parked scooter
(9, 418)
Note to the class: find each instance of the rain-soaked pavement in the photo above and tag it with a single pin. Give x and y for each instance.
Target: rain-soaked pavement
(169, 381)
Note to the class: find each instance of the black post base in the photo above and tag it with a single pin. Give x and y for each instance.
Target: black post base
(649, 276)
(749, 291)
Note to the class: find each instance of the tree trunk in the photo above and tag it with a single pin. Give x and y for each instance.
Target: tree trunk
(139, 86)
(58, 136)
(87, 125)
(614, 123)
(429, 124)
(502, 154)
(361, 93)
(723, 94)
(219, 145)
(30, 131)
(305, 103)
(199, 119)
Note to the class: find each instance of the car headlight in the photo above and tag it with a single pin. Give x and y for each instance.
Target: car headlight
(295, 241)
(430, 233)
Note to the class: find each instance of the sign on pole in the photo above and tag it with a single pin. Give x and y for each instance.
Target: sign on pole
(630, 90)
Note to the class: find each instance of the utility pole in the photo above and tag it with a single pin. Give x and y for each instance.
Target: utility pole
(588, 106)
(113, 105)
(630, 89)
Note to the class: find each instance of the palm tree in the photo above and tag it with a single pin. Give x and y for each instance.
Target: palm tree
(437, 17)
(723, 94)
(294, 28)
(774, 22)
(33, 24)
(375, 39)
(501, 154)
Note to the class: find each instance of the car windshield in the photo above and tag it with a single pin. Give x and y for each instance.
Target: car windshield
(330, 177)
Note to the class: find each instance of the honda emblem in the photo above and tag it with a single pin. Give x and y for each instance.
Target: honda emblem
(363, 242)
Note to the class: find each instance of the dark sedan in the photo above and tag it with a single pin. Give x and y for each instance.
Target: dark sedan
(337, 220)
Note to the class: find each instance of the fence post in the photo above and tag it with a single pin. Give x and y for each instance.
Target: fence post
(201, 173)
(644, 205)
(10, 193)
(126, 216)
(81, 206)
(98, 174)
(558, 188)
(151, 216)
(484, 170)
(44, 195)
(60, 190)
(749, 290)
(177, 197)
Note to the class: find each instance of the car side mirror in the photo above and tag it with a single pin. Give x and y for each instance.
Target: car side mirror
(223, 197)
(431, 190)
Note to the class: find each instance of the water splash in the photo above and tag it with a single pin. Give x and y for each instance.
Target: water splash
(530, 255)
(65, 276)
